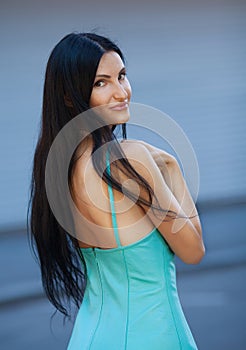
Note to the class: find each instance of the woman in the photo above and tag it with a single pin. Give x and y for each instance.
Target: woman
(136, 210)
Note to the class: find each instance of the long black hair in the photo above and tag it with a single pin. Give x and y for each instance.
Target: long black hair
(69, 79)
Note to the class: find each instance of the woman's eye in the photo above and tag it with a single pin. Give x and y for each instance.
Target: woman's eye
(122, 76)
(99, 83)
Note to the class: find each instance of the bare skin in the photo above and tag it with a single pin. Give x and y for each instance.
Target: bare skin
(92, 199)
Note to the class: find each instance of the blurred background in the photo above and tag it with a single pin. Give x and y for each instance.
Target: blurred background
(186, 58)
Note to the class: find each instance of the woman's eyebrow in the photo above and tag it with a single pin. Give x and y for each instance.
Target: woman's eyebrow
(109, 76)
(103, 76)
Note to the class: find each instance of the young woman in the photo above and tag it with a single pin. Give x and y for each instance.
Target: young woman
(135, 207)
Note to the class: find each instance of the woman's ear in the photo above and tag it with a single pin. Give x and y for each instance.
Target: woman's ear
(67, 101)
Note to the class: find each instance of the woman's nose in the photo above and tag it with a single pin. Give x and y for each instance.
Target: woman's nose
(120, 93)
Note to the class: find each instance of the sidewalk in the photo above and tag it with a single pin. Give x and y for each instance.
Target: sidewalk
(213, 302)
(224, 235)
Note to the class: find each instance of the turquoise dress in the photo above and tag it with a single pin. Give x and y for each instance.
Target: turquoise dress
(131, 300)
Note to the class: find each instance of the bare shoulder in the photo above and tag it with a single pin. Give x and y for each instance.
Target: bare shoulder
(130, 142)
(147, 145)
(134, 149)
(139, 157)
(157, 154)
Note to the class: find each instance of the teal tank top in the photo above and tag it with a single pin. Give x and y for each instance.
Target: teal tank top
(131, 300)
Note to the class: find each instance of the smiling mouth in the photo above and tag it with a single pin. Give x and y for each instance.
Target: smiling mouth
(120, 106)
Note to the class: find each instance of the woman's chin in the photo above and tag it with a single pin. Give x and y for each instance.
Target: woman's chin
(122, 118)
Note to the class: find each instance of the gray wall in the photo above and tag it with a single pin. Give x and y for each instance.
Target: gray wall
(185, 58)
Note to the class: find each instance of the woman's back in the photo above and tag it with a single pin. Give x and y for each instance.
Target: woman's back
(92, 200)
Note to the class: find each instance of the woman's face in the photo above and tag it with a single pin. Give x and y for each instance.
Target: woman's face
(111, 91)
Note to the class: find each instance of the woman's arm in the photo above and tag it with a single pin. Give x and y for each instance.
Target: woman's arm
(173, 176)
(161, 170)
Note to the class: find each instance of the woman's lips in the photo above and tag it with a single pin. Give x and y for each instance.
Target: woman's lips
(120, 106)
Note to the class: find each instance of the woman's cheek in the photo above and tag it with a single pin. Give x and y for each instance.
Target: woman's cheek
(96, 99)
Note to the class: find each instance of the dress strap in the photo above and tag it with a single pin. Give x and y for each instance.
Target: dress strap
(111, 198)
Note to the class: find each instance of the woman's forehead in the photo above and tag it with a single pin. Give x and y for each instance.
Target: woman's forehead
(110, 62)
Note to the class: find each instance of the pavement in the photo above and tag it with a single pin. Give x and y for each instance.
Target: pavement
(213, 301)
(212, 293)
